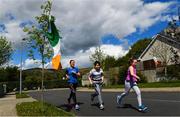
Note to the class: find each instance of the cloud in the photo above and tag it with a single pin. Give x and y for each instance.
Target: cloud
(81, 57)
(84, 22)
(14, 33)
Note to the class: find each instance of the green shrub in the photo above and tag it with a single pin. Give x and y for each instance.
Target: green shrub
(1, 90)
(30, 85)
(143, 79)
(122, 74)
(173, 71)
(22, 95)
(35, 109)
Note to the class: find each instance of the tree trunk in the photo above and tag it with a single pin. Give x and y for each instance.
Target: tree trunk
(165, 72)
(42, 78)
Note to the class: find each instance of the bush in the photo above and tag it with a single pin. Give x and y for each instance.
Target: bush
(173, 71)
(143, 79)
(1, 90)
(35, 109)
(122, 74)
(9, 74)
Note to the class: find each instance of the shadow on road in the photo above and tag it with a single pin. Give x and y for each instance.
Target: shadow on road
(95, 104)
(128, 106)
(68, 107)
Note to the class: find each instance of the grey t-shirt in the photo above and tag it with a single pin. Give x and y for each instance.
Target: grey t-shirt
(96, 76)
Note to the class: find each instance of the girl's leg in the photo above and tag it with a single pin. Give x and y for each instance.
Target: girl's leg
(127, 89)
(126, 92)
(138, 93)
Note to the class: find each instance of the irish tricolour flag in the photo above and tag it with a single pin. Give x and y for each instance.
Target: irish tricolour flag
(54, 39)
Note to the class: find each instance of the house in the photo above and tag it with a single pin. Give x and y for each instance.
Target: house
(158, 54)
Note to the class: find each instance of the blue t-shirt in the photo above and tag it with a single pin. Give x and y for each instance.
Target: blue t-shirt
(72, 77)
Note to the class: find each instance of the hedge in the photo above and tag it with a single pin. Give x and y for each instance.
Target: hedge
(48, 84)
(1, 90)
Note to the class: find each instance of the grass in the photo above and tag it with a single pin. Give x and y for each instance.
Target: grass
(150, 85)
(22, 95)
(159, 84)
(35, 109)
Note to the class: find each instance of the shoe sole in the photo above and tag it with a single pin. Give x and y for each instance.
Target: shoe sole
(143, 110)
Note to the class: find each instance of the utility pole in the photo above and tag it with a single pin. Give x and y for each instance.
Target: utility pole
(20, 88)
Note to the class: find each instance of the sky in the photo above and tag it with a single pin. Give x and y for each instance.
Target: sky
(114, 25)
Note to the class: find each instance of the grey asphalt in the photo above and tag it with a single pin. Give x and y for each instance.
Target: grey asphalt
(159, 103)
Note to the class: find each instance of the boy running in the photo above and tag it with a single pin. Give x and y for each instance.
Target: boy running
(96, 78)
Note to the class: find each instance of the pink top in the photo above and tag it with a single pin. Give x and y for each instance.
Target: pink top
(129, 77)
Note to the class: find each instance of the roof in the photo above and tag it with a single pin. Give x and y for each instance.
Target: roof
(164, 39)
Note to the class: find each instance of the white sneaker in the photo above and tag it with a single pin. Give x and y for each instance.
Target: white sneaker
(77, 107)
(101, 107)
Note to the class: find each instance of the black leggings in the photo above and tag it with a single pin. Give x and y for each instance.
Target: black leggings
(73, 92)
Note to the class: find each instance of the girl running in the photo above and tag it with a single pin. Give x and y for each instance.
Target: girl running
(96, 79)
(72, 74)
(130, 82)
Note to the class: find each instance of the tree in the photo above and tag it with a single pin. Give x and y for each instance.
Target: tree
(164, 53)
(176, 58)
(135, 51)
(109, 62)
(98, 55)
(5, 50)
(37, 38)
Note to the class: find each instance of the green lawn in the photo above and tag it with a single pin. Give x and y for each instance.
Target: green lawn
(35, 109)
(151, 85)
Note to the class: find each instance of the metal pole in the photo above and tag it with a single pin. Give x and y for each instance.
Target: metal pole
(20, 88)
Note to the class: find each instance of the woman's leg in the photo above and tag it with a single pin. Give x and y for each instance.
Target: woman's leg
(71, 93)
(74, 93)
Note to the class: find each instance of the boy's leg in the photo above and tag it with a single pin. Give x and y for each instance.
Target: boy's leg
(94, 94)
(98, 89)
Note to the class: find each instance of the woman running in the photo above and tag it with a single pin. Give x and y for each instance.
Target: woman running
(130, 82)
(72, 74)
(96, 78)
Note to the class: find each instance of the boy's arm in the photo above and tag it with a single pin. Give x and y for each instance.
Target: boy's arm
(89, 77)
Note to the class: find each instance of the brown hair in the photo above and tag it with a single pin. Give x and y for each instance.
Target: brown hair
(131, 60)
(70, 61)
